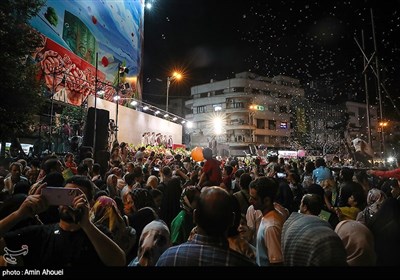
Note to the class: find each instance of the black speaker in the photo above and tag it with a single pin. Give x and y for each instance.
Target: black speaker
(103, 118)
(102, 157)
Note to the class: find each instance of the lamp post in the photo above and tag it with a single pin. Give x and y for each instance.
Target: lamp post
(95, 106)
(121, 71)
(382, 126)
(50, 146)
(117, 101)
(174, 76)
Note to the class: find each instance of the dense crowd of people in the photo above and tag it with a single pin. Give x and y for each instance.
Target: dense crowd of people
(151, 209)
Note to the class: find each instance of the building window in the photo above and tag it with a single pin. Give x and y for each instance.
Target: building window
(217, 107)
(266, 92)
(260, 139)
(201, 109)
(260, 123)
(271, 108)
(285, 140)
(238, 89)
(204, 94)
(283, 109)
(271, 125)
(272, 139)
(238, 105)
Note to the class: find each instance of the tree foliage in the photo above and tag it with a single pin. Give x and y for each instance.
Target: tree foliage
(21, 96)
(73, 114)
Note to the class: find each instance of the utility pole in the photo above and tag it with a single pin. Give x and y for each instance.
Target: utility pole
(117, 100)
(378, 80)
(366, 91)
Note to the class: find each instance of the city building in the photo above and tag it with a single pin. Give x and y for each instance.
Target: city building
(251, 114)
(237, 115)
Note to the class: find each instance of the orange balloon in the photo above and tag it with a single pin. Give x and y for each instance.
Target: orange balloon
(197, 154)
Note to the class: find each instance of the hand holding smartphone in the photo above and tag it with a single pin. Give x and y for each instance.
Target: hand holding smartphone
(59, 196)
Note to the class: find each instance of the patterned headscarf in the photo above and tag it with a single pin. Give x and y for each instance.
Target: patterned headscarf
(375, 199)
(105, 213)
(189, 194)
(154, 240)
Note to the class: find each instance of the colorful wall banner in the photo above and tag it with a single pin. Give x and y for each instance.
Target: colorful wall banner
(74, 31)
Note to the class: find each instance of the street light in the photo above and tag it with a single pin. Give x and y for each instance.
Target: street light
(174, 76)
(382, 125)
(95, 106)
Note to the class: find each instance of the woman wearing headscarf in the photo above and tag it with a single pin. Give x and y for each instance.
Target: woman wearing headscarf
(358, 242)
(135, 200)
(375, 198)
(112, 182)
(182, 225)
(154, 240)
(105, 213)
(140, 209)
(139, 220)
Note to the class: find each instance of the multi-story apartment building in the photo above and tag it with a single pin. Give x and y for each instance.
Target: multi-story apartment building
(236, 114)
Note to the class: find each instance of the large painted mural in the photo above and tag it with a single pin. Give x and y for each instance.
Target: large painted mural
(74, 31)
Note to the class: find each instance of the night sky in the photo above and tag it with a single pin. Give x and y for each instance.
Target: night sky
(312, 41)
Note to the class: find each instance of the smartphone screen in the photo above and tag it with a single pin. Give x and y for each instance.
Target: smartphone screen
(59, 196)
(280, 175)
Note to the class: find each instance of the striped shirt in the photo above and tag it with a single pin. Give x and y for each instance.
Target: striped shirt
(203, 250)
(309, 241)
